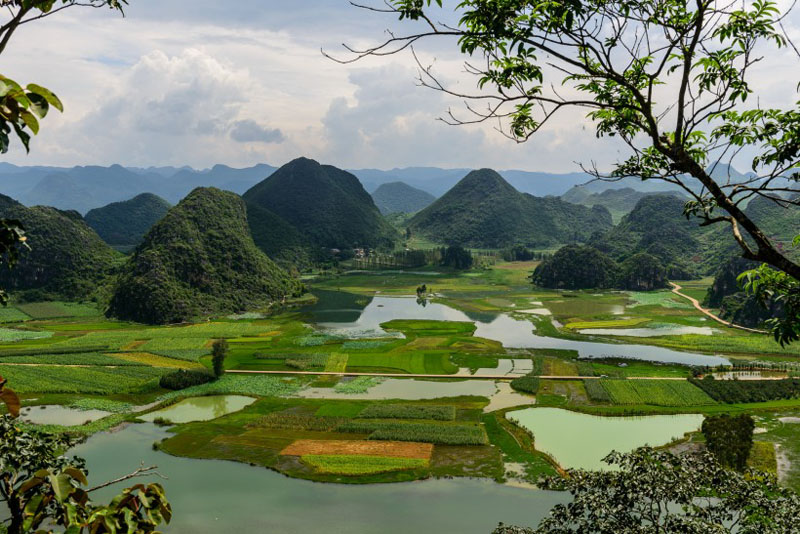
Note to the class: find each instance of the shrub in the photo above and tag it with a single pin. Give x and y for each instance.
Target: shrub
(729, 438)
(183, 378)
(741, 391)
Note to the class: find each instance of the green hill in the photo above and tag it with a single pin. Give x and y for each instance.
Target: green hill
(123, 224)
(199, 260)
(485, 211)
(327, 206)
(399, 197)
(67, 259)
(618, 201)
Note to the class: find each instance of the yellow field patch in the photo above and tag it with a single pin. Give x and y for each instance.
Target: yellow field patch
(155, 360)
(133, 345)
(559, 367)
(620, 323)
(394, 449)
(426, 343)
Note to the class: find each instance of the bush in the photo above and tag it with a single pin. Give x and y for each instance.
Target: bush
(741, 391)
(184, 378)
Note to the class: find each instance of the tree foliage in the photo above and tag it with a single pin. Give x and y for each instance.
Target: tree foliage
(576, 267)
(457, 258)
(219, 351)
(729, 438)
(45, 491)
(659, 492)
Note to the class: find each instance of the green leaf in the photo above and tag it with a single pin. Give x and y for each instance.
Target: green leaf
(51, 98)
(30, 121)
(39, 104)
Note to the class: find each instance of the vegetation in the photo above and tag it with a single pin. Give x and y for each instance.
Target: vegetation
(740, 391)
(399, 197)
(409, 411)
(184, 378)
(485, 211)
(39, 486)
(326, 205)
(124, 224)
(85, 263)
(360, 465)
(528, 383)
(729, 439)
(669, 493)
(219, 351)
(576, 267)
(199, 260)
(655, 392)
(457, 257)
(451, 434)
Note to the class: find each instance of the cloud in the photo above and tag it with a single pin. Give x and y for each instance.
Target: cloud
(249, 131)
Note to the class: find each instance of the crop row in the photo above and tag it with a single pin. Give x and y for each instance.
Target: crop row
(655, 392)
(596, 391)
(298, 422)
(409, 411)
(98, 380)
(81, 358)
(741, 391)
(443, 434)
(359, 464)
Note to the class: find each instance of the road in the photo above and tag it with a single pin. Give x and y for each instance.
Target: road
(677, 290)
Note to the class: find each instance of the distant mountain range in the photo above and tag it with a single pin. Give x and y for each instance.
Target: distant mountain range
(483, 210)
(399, 197)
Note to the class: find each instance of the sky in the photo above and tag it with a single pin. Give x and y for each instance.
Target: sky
(240, 82)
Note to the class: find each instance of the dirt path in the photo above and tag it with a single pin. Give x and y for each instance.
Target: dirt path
(454, 377)
(677, 290)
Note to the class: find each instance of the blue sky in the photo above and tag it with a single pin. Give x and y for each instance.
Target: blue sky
(200, 82)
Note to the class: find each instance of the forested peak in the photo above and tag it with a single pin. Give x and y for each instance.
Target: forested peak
(7, 202)
(654, 210)
(485, 181)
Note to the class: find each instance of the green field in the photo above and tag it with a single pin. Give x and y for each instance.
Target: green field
(655, 392)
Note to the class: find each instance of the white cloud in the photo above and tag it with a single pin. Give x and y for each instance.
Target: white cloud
(249, 131)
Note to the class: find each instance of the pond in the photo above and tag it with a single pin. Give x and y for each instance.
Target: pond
(666, 330)
(55, 414)
(200, 408)
(212, 496)
(577, 440)
(510, 331)
(409, 389)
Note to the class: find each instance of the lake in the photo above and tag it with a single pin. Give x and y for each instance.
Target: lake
(214, 496)
(581, 441)
(512, 332)
(200, 408)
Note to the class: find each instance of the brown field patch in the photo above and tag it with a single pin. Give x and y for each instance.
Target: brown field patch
(395, 449)
(133, 345)
(155, 360)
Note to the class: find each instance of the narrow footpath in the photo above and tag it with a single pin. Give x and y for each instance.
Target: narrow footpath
(677, 290)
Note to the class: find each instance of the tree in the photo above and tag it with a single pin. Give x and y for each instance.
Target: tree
(729, 438)
(457, 258)
(642, 272)
(219, 351)
(670, 78)
(659, 492)
(576, 267)
(42, 489)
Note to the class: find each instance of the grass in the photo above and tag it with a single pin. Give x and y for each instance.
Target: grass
(360, 384)
(266, 386)
(9, 314)
(94, 380)
(106, 405)
(55, 309)
(360, 465)
(79, 358)
(655, 392)
(13, 334)
(762, 457)
(664, 299)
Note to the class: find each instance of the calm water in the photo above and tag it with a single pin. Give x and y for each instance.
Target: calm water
(672, 330)
(201, 408)
(54, 414)
(510, 331)
(578, 440)
(409, 389)
(211, 496)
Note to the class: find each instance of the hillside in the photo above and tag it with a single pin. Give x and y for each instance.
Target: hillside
(326, 205)
(618, 201)
(123, 224)
(199, 260)
(485, 211)
(399, 197)
(67, 259)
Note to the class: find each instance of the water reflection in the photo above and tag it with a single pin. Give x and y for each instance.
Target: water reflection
(200, 408)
